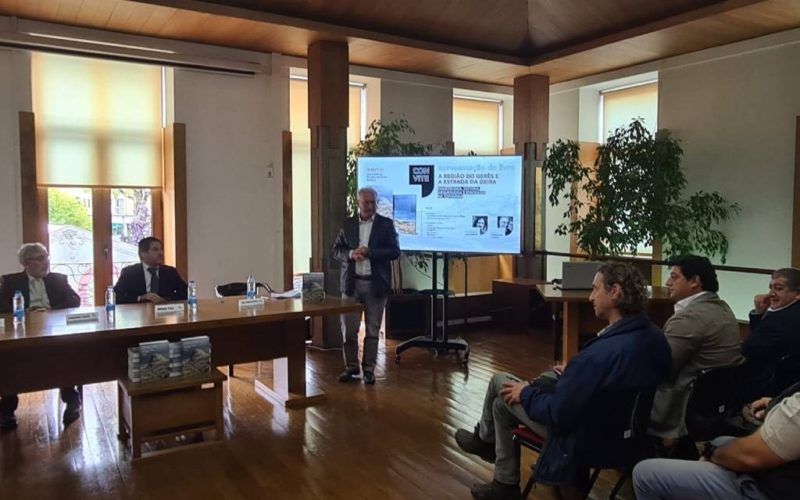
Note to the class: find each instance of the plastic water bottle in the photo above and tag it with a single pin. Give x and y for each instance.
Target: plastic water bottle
(191, 294)
(251, 287)
(19, 308)
(111, 301)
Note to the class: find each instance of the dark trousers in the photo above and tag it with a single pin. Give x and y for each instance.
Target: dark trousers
(9, 402)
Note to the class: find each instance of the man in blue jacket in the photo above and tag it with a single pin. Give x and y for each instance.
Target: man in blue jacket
(630, 355)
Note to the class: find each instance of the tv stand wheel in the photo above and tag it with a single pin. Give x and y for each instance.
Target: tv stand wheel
(397, 360)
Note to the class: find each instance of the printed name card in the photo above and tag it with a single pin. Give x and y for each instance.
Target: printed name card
(251, 303)
(85, 317)
(170, 308)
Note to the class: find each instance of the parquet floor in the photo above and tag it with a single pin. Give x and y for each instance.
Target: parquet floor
(390, 440)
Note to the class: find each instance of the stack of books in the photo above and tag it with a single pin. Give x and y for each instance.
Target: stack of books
(134, 374)
(175, 360)
(196, 355)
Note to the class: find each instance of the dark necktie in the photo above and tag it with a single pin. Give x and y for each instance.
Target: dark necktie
(153, 279)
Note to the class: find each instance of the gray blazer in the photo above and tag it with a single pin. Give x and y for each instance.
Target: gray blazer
(704, 335)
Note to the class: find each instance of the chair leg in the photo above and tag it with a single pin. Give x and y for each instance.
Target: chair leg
(230, 370)
(620, 482)
(592, 480)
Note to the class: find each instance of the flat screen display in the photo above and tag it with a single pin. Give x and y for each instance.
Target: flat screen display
(461, 204)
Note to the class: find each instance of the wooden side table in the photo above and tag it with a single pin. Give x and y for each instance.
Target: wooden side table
(171, 407)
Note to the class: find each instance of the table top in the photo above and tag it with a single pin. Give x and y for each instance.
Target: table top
(138, 319)
(552, 294)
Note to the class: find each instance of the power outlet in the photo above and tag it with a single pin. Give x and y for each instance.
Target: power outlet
(270, 171)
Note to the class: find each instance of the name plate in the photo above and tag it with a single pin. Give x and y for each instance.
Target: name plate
(81, 317)
(251, 303)
(170, 308)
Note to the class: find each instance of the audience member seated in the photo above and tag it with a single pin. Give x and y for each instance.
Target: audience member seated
(774, 322)
(763, 465)
(152, 280)
(627, 356)
(703, 333)
(42, 290)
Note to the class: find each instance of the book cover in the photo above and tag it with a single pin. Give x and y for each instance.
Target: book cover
(313, 287)
(154, 360)
(195, 355)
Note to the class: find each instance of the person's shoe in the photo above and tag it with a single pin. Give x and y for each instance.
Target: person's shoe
(8, 422)
(473, 444)
(495, 491)
(369, 378)
(72, 413)
(348, 375)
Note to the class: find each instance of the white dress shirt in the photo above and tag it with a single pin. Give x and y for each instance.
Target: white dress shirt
(38, 293)
(363, 267)
(684, 303)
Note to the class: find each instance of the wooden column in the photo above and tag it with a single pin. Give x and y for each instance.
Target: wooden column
(531, 121)
(288, 233)
(796, 213)
(174, 198)
(34, 198)
(328, 120)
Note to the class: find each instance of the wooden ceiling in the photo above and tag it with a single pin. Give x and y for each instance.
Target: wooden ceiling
(466, 39)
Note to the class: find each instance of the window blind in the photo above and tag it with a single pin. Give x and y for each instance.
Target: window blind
(476, 126)
(98, 122)
(622, 106)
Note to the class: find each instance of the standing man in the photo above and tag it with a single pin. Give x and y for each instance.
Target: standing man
(365, 247)
(703, 333)
(152, 280)
(42, 290)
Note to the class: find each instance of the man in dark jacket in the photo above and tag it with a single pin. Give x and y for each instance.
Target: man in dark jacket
(365, 247)
(42, 290)
(774, 322)
(152, 280)
(629, 356)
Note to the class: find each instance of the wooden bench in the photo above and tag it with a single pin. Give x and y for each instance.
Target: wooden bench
(168, 408)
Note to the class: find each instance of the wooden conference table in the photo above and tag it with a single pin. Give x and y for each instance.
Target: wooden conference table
(49, 353)
(577, 313)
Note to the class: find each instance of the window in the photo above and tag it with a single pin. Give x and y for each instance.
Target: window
(620, 106)
(99, 154)
(477, 125)
(301, 159)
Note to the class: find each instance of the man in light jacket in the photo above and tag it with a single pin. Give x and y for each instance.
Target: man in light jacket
(703, 333)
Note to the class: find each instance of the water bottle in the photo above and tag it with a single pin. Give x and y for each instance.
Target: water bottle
(192, 296)
(251, 287)
(111, 300)
(19, 308)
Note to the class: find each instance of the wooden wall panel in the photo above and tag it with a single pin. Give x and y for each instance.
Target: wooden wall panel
(174, 195)
(796, 214)
(288, 203)
(34, 198)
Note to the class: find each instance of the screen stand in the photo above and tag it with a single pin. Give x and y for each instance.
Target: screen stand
(438, 344)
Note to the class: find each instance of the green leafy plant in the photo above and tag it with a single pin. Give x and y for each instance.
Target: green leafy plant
(394, 138)
(634, 195)
(65, 209)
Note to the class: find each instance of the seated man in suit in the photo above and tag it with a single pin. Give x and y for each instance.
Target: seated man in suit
(150, 281)
(703, 333)
(628, 356)
(774, 322)
(42, 290)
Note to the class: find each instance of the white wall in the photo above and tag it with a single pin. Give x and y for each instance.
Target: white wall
(429, 111)
(233, 132)
(735, 118)
(564, 110)
(14, 97)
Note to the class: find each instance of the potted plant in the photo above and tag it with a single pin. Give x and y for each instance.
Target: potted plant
(634, 194)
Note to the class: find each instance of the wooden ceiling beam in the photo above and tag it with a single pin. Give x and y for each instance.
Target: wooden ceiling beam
(642, 29)
(334, 32)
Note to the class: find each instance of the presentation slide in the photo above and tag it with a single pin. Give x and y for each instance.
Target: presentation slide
(469, 204)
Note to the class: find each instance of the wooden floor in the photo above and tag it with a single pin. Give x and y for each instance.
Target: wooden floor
(390, 440)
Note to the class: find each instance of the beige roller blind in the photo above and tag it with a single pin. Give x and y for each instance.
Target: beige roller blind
(622, 106)
(476, 126)
(98, 122)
